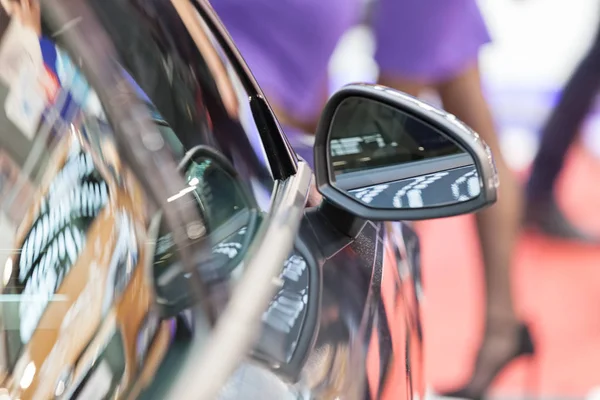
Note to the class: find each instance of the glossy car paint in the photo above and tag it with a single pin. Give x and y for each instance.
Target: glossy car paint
(355, 331)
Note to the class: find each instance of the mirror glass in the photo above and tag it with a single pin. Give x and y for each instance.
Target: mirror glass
(389, 159)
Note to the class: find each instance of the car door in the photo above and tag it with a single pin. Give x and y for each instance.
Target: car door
(369, 328)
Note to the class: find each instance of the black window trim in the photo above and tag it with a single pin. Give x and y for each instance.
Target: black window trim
(282, 158)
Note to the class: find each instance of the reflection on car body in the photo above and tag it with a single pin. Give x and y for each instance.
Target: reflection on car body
(81, 237)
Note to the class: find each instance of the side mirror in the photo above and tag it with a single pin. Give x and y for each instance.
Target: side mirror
(383, 155)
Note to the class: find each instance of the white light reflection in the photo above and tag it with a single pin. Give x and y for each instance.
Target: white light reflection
(7, 273)
(28, 375)
(181, 193)
(20, 298)
(60, 389)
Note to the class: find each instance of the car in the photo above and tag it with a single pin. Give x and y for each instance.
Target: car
(167, 242)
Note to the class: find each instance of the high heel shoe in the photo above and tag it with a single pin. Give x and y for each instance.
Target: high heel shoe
(475, 389)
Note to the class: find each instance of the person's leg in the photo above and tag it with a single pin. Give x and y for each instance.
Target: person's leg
(498, 228)
(558, 134)
(498, 225)
(441, 50)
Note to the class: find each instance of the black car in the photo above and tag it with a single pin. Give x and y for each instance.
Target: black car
(168, 243)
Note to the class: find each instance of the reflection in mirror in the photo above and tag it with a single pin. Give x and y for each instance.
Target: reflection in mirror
(231, 218)
(389, 159)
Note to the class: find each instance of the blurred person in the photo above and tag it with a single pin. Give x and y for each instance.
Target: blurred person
(27, 12)
(421, 44)
(558, 134)
(46, 81)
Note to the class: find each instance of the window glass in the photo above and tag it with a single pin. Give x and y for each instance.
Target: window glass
(77, 217)
(185, 75)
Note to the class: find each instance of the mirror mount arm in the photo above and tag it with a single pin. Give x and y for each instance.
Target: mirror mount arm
(344, 222)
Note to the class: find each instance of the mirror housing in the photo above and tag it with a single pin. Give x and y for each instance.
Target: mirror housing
(398, 170)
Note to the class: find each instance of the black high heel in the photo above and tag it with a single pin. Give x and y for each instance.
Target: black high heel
(525, 348)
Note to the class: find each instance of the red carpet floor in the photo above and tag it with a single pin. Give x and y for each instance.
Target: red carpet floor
(556, 285)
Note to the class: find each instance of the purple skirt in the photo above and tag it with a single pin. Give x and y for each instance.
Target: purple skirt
(287, 44)
(427, 40)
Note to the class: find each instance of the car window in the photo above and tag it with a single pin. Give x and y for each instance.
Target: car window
(199, 70)
(185, 75)
(83, 311)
